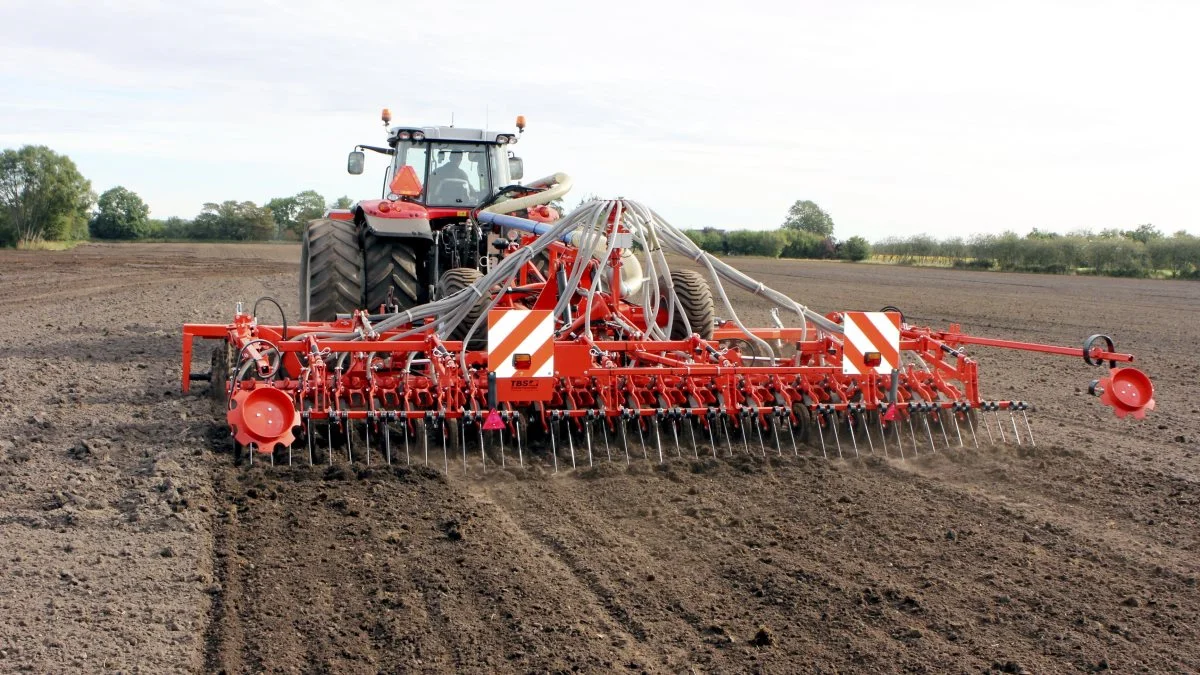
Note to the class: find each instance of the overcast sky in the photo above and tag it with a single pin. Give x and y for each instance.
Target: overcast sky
(936, 117)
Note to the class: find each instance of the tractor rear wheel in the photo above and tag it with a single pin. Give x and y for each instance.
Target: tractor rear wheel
(454, 281)
(696, 300)
(330, 270)
(395, 268)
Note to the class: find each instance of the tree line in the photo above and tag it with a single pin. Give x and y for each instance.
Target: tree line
(806, 232)
(1139, 252)
(44, 197)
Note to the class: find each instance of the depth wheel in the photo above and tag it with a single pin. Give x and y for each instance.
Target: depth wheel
(456, 280)
(695, 298)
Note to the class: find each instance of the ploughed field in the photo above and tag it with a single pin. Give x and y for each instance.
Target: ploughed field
(130, 541)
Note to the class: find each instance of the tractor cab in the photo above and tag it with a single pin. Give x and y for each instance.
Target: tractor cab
(421, 238)
(447, 167)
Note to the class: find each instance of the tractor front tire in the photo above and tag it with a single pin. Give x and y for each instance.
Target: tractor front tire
(454, 281)
(395, 268)
(696, 299)
(331, 271)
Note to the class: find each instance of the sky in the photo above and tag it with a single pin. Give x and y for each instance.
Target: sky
(942, 118)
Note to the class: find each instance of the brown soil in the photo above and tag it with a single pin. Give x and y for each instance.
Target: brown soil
(130, 542)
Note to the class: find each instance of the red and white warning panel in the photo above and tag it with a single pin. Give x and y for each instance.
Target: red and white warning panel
(872, 343)
(521, 353)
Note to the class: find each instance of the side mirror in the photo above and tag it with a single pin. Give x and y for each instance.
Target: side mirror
(355, 162)
(516, 168)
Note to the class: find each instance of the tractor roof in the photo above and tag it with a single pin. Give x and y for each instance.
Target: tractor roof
(452, 134)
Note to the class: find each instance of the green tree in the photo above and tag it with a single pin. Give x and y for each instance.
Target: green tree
(855, 249)
(121, 214)
(806, 216)
(42, 196)
(291, 214)
(233, 220)
(342, 202)
(1144, 233)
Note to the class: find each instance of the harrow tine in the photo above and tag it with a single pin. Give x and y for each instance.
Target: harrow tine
(625, 439)
(942, 426)
(821, 430)
(1000, 426)
(1028, 428)
(554, 444)
(728, 438)
(988, 428)
(675, 434)
(712, 438)
(882, 434)
(329, 438)
(368, 439)
(971, 426)
(462, 440)
(957, 430)
(836, 440)
(850, 430)
(658, 443)
(308, 429)
(517, 433)
(604, 430)
(929, 432)
(482, 447)
(587, 433)
(742, 428)
(913, 434)
(1013, 417)
(407, 454)
(867, 427)
(349, 450)
(425, 438)
(775, 431)
(571, 441)
(445, 452)
(500, 437)
(692, 432)
(758, 427)
(792, 433)
(642, 438)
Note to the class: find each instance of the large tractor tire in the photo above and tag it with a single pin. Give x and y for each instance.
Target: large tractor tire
(454, 281)
(697, 304)
(331, 274)
(395, 268)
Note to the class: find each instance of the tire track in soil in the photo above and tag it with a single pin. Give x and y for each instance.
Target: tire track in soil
(571, 565)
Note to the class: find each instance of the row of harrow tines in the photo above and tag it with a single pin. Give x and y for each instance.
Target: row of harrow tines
(596, 339)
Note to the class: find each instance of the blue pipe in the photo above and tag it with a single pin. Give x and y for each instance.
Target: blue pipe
(515, 223)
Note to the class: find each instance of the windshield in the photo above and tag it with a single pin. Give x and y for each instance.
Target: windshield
(455, 174)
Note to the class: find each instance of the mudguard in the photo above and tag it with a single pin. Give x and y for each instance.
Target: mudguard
(385, 218)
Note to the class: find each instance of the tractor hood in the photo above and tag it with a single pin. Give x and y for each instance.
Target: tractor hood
(388, 218)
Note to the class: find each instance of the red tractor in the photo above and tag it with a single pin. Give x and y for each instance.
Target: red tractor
(420, 240)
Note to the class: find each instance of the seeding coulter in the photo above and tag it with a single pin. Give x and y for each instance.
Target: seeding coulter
(583, 342)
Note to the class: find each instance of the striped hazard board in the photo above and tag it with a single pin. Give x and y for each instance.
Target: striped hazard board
(521, 353)
(872, 343)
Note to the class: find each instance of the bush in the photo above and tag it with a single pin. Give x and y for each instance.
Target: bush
(802, 244)
(755, 242)
(708, 239)
(855, 249)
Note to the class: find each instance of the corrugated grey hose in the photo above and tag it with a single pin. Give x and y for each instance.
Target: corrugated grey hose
(649, 229)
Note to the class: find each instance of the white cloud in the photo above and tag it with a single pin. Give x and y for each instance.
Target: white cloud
(937, 117)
